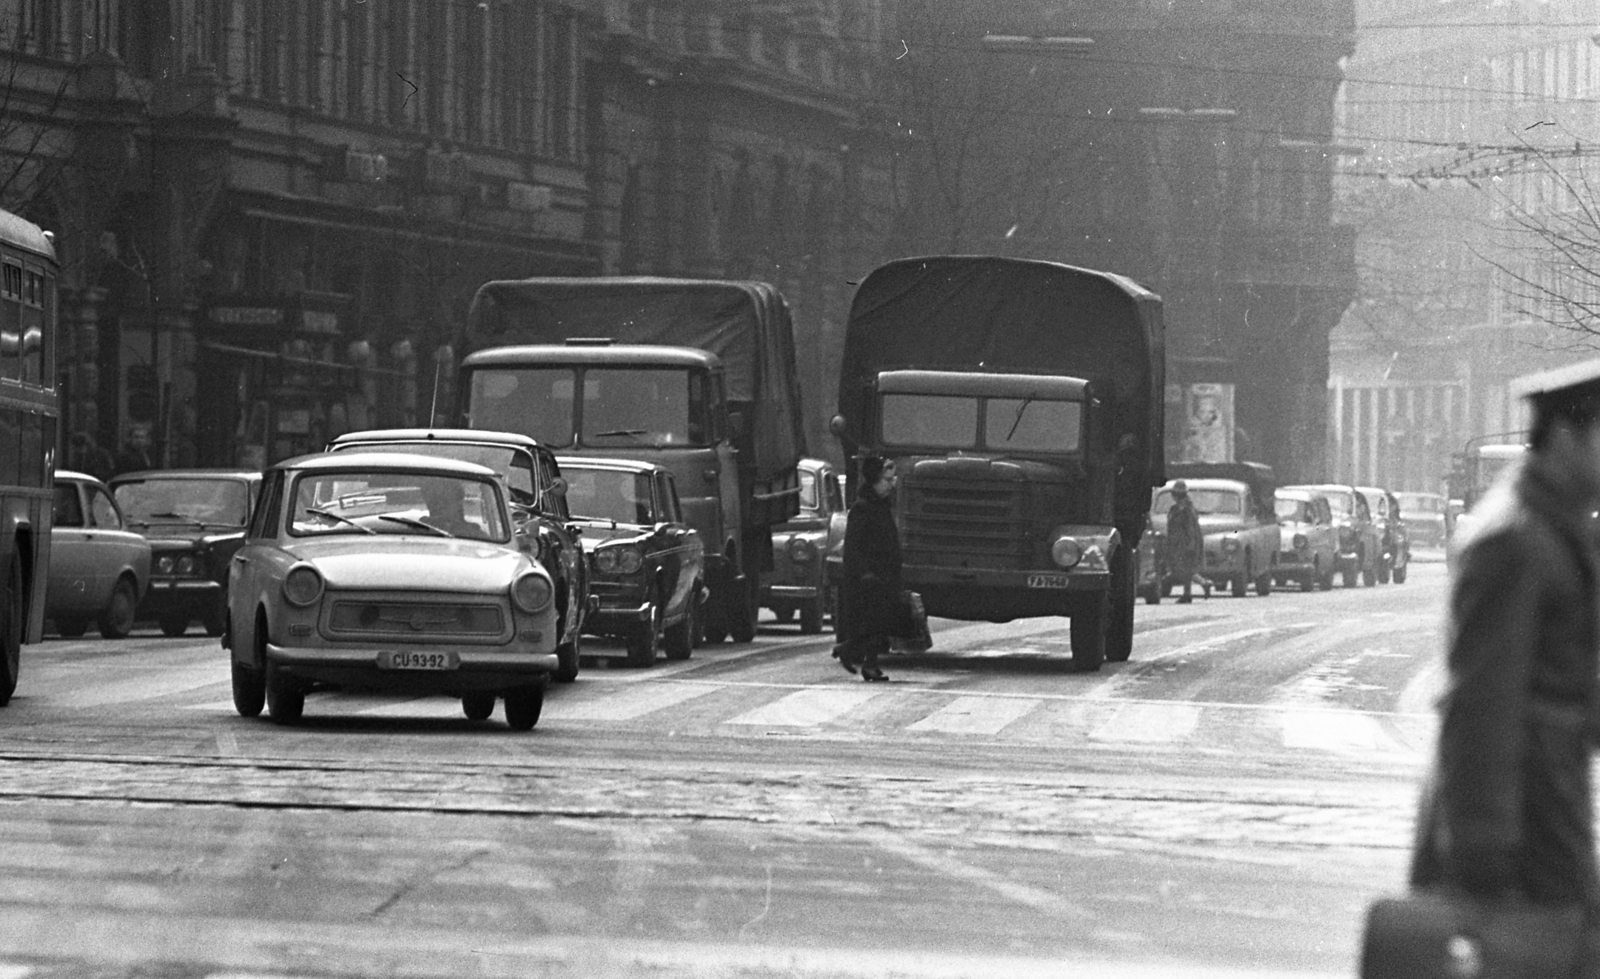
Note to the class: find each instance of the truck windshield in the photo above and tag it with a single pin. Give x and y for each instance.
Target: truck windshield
(1009, 424)
(621, 407)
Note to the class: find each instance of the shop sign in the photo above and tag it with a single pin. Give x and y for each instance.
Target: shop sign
(247, 315)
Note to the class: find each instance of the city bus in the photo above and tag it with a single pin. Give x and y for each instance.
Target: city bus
(28, 417)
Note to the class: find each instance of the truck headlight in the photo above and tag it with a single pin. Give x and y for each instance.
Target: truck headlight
(801, 550)
(1066, 552)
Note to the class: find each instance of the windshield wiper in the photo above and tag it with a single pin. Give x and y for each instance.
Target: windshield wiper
(630, 432)
(319, 511)
(414, 522)
(1018, 420)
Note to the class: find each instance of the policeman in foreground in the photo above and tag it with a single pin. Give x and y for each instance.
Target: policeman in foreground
(1506, 810)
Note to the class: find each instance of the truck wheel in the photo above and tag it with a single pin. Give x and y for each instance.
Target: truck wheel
(1089, 634)
(11, 625)
(1264, 584)
(1383, 571)
(742, 606)
(1123, 597)
(1240, 584)
(811, 616)
(1400, 574)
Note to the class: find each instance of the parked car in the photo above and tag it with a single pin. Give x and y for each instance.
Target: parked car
(98, 568)
(1394, 539)
(1309, 542)
(1234, 501)
(799, 580)
(537, 490)
(389, 572)
(646, 564)
(1425, 517)
(194, 520)
(1360, 547)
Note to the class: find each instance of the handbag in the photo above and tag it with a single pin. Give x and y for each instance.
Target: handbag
(1448, 935)
(911, 634)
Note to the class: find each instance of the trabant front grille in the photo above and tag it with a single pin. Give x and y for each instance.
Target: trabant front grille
(416, 620)
(976, 523)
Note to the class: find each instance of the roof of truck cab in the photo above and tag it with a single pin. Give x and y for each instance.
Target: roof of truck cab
(979, 383)
(639, 355)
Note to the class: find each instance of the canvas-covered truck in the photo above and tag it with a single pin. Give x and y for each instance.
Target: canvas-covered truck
(1022, 402)
(697, 376)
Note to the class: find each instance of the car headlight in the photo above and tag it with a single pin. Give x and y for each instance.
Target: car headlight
(187, 564)
(165, 564)
(531, 591)
(801, 550)
(1230, 544)
(302, 585)
(1300, 542)
(618, 560)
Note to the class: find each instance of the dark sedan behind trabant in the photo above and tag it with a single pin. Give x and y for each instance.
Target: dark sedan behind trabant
(646, 565)
(195, 520)
(392, 573)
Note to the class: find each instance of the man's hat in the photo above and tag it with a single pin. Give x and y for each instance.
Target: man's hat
(1572, 384)
(1180, 487)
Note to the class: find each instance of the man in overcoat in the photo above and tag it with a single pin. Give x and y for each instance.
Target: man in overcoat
(1185, 543)
(1506, 809)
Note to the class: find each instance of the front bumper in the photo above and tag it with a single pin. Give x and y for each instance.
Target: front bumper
(791, 593)
(355, 665)
(612, 620)
(177, 593)
(1295, 563)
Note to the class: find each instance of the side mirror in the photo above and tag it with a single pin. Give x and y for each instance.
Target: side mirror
(836, 424)
(558, 486)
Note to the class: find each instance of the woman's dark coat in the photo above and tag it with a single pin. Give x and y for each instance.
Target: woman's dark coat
(870, 591)
(1508, 801)
(1185, 543)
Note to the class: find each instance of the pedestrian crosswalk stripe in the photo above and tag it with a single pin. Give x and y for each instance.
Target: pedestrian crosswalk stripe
(632, 702)
(412, 707)
(975, 715)
(809, 707)
(1334, 730)
(1149, 724)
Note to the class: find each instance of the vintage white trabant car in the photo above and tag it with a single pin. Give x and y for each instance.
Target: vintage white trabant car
(1237, 522)
(1309, 541)
(390, 573)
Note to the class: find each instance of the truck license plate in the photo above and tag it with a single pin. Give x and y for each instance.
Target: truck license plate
(404, 659)
(1047, 581)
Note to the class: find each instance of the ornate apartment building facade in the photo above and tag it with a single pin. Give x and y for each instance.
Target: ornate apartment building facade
(273, 213)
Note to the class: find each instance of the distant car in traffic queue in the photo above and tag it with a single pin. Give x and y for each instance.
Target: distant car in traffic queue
(1425, 517)
(646, 563)
(1234, 501)
(1308, 540)
(1394, 540)
(800, 580)
(538, 492)
(1360, 546)
(393, 573)
(99, 569)
(195, 521)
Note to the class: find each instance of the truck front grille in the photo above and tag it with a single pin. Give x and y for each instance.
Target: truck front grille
(976, 524)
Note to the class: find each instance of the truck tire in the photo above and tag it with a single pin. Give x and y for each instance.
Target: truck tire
(1089, 622)
(1399, 576)
(13, 610)
(741, 606)
(1123, 597)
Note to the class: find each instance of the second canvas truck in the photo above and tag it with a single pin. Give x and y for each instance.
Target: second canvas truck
(1023, 404)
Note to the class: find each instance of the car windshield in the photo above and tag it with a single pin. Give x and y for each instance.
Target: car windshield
(608, 494)
(1009, 424)
(1298, 511)
(212, 502)
(808, 490)
(375, 502)
(621, 406)
(1341, 504)
(515, 466)
(1420, 503)
(1206, 501)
